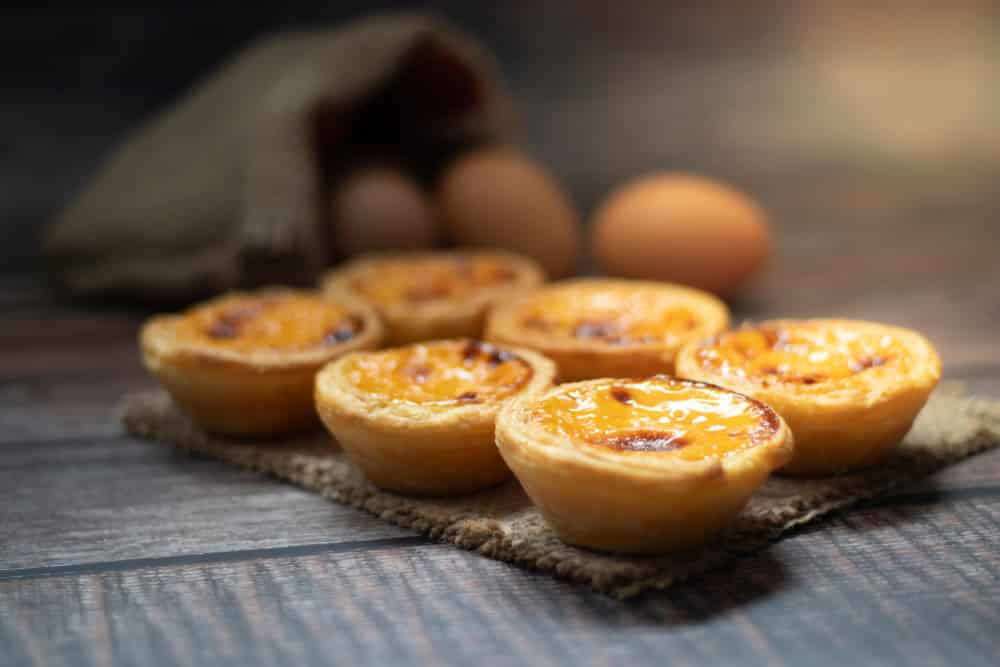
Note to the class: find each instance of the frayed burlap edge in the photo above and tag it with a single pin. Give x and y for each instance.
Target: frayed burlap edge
(502, 524)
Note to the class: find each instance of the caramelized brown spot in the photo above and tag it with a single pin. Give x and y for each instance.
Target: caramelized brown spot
(472, 350)
(597, 329)
(475, 349)
(229, 322)
(467, 397)
(344, 331)
(645, 441)
(768, 418)
(621, 395)
(498, 356)
(771, 337)
(864, 363)
(810, 379)
(223, 329)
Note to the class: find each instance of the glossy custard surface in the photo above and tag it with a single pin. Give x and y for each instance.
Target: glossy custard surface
(425, 279)
(268, 322)
(608, 315)
(806, 353)
(657, 416)
(450, 372)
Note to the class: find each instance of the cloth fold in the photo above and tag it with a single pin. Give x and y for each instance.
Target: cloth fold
(226, 186)
(502, 523)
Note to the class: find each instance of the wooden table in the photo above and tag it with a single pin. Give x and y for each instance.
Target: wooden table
(885, 200)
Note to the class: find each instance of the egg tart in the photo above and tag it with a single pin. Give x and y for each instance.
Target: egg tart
(849, 390)
(244, 363)
(419, 419)
(427, 296)
(608, 328)
(640, 465)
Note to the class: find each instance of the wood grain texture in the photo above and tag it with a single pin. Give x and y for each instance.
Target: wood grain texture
(86, 500)
(90, 501)
(870, 138)
(113, 548)
(854, 591)
(51, 339)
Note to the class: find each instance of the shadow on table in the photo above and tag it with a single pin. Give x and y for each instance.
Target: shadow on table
(750, 579)
(742, 581)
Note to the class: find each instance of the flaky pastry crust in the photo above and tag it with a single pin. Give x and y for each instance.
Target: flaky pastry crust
(638, 500)
(607, 328)
(848, 389)
(238, 368)
(434, 295)
(439, 446)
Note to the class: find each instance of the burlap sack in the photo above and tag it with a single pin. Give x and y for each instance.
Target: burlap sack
(225, 187)
(502, 523)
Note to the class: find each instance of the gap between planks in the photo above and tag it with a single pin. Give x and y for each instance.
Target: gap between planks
(394, 543)
(129, 564)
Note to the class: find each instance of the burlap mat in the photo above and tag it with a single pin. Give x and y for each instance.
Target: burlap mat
(502, 524)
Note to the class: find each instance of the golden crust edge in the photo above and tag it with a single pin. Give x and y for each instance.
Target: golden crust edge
(160, 347)
(239, 394)
(678, 505)
(581, 359)
(440, 319)
(416, 449)
(837, 431)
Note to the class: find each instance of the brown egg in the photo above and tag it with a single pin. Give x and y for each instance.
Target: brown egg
(381, 208)
(499, 198)
(681, 228)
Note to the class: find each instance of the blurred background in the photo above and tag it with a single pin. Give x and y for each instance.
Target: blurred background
(869, 134)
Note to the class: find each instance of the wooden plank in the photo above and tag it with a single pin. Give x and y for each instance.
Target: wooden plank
(75, 491)
(903, 585)
(58, 342)
(61, 407)
(875, 218)
(77, 502)
(74, 502)
(22, 291)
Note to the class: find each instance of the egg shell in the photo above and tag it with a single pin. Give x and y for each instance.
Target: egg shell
(378, 208)
(681, 228)
(500, 198)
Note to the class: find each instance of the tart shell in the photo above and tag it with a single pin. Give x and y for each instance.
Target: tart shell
(583, 358)
(462, 317)
(598, 498)
(416, 449)
(260, 393)
(840, 425)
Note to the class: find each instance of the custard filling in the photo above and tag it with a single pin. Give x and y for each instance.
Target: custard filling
(420, 280)
(450, 372)
(287, 322)
(657, 416)
(614, 317)
(804, 354)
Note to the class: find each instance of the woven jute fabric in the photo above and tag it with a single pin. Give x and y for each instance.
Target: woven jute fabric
(502, 523)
